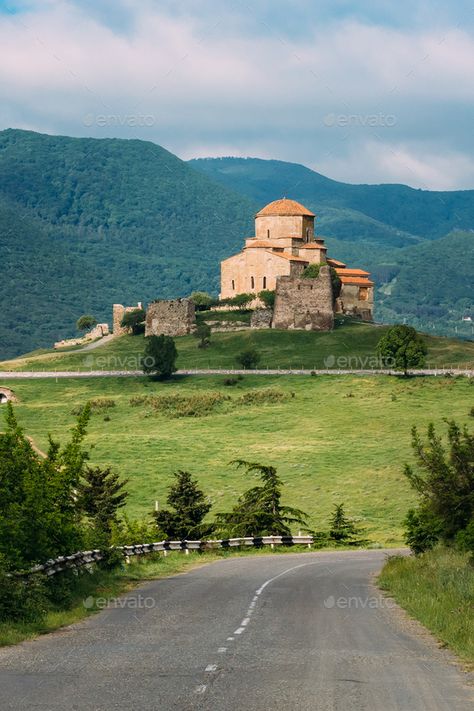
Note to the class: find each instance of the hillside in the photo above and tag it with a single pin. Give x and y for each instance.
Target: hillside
(332, 438)
(350, 345)
(86, 222)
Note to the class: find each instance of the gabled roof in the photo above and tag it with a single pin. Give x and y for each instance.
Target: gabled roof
(361, 281)
(351, 272)
(335, 262)
(285, 207)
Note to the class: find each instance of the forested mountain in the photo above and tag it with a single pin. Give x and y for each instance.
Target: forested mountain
(416, 214)
(85, 223)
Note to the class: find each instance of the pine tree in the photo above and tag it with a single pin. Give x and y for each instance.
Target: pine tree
(100, 495)
(259, 511)
(343, 530)
(190, 507)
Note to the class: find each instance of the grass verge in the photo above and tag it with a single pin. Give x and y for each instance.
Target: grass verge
(436, 588)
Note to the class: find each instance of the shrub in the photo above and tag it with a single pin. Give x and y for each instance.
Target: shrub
(22, 599)
(267, 297)
(422, 530)
(160, 357)
(260, 397)
(248, 359)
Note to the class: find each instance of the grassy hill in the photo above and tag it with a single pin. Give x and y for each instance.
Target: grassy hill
(86, 222)
(350, 345)
(332, 438)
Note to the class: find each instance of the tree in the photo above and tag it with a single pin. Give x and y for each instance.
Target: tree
(202, 300)
(444, 481)
(241, 300)
(134, 320)
(343, 529)
(402, 348)
(248, 359)
(258, 511)
(267, 297)
(203, 332)
(86, 322)
(159, 357)
(100, 495)
(189, 508)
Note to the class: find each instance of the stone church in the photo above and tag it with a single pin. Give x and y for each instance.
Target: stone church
(283, 245)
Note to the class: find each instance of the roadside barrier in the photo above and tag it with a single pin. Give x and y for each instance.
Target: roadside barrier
(87, 558)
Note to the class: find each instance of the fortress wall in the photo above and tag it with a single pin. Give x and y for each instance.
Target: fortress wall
(305, 304)
(170, 317)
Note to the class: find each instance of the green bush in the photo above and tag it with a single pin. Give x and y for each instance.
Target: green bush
(248, 359)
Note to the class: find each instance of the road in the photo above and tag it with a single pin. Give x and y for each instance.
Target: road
(29, 374)
(289, 632)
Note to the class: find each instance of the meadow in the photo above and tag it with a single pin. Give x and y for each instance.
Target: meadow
(333, 438)
(351, 345)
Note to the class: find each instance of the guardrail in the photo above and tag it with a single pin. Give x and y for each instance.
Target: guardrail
(84, 558)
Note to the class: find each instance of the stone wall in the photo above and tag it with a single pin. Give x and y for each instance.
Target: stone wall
(171, 318)
(305, 304)
(99, 331)
(261, 318)
(118, 313)
(356, 301)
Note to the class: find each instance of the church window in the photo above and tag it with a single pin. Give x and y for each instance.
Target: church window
(252, 283)
(268, 234)
(233, 285)
(264, 282)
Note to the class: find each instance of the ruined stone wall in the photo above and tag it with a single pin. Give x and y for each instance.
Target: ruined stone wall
(118, 313)
(356, 301)
(261, 318)
(305, 304)
(171, 318)
(99, 331)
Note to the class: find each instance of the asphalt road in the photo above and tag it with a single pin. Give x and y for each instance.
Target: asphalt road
(293, 632)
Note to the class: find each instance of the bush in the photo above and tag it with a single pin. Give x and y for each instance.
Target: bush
(248, 359)
(22, 599)
(422, 530)
(260, 397)
(267, 297)
(159, 357)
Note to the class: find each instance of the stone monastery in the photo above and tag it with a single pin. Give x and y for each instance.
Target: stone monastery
(275, 258)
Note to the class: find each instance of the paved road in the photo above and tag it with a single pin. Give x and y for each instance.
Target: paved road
(288, 632)
(28, 374)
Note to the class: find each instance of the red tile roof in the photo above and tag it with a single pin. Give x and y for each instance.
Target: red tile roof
(285, 207)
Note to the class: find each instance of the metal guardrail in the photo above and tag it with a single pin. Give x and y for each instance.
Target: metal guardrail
(84, 558)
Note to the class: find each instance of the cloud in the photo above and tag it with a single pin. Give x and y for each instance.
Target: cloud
(343, 93)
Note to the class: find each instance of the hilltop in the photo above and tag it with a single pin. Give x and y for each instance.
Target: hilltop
(88, 222)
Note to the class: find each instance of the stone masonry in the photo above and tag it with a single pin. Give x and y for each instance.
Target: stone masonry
(118, 313)
(305, 304)
(171, 318)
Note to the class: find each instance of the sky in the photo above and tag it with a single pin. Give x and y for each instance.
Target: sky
(363, 92)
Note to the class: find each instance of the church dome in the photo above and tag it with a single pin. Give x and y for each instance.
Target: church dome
(284, 207)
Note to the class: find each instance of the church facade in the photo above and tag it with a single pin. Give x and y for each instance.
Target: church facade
(283, 245)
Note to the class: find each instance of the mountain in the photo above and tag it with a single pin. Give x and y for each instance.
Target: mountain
(414, 214)
(85, 223)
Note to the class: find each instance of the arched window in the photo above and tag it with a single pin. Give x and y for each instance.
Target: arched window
(233, 285)
(252, 283)
(268, 234)
(264, 282)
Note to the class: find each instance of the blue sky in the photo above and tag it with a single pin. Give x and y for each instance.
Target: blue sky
(360, 91)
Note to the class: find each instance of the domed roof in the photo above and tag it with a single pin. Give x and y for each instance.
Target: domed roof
(285, 207)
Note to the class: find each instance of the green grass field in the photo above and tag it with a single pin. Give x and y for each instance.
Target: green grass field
(350, 345)
(332, 438)
(437, 589)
